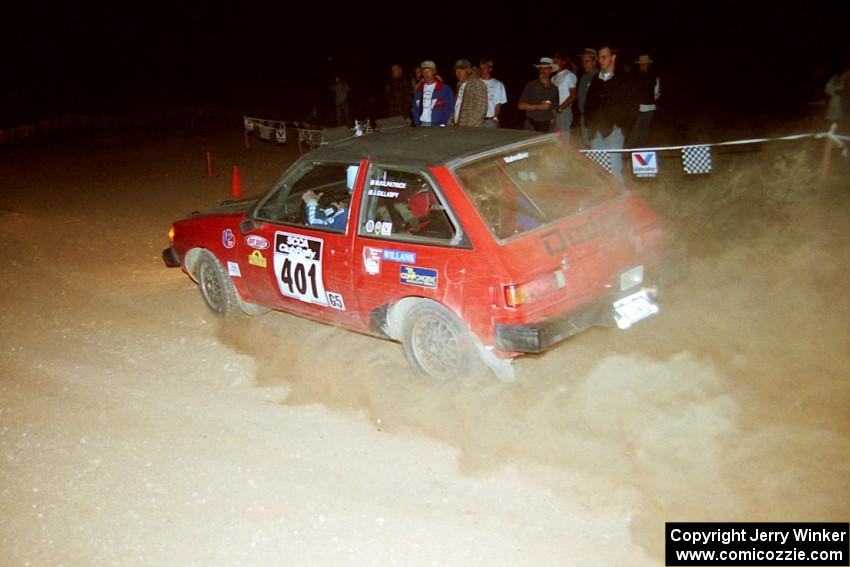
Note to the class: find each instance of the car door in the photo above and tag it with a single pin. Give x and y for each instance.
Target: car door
(300, 261)
(409, 240)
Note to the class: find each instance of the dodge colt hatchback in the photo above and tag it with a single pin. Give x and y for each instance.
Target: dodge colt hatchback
(463, 244)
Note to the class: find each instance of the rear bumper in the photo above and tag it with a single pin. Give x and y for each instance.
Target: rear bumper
(542, 335)
(171, 257)
(537, 337)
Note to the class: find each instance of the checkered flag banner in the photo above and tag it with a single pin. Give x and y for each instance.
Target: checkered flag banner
(601, 157)
(267, 129)
(696, 159)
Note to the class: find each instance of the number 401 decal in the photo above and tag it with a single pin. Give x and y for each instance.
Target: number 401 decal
(297, 276)
(298, 267)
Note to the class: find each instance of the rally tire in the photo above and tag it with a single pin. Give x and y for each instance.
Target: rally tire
(437, 345)
(216, 288)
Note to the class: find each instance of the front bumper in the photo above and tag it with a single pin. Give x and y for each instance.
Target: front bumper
(171, 257)
(542, 335)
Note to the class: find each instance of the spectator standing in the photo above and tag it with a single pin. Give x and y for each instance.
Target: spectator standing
(610, 108)
(343, 110)
(539, 97)
(845, 95)
(399, 94)
(433, 101)
(496, 94)
(838, 90)
(471, 100)
(417, 78)
(648, 91)
(567, 84)
(590, 70)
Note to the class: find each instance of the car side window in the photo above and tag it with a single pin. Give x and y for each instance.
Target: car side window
(403, 205)
(317, 195)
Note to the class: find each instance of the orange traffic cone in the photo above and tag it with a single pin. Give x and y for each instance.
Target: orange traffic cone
(235, 184)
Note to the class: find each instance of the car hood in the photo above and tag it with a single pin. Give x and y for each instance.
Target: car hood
(229, 207)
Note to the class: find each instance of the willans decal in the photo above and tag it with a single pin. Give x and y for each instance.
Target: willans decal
(399, 256)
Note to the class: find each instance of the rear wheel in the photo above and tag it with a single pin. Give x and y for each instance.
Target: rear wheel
(436, 343)
(216, 288)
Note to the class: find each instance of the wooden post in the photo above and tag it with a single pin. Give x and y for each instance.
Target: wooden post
(827, 154)
(210, 169)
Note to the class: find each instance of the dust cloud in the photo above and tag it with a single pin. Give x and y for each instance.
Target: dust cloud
(731, 405)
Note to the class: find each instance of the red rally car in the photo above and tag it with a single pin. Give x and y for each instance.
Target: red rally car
(464, 244)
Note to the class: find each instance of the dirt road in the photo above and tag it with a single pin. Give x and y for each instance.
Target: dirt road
(138, 429)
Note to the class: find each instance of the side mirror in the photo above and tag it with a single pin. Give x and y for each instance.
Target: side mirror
(248, 225)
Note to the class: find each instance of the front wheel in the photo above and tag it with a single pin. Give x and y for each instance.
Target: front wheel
(216, 288)
(436, 343)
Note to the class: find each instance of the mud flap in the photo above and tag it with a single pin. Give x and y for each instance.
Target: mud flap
(501, 367)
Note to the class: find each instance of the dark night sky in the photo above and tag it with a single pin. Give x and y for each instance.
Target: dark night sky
(131, 57)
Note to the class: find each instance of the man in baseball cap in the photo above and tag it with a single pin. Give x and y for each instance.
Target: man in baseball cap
(567, 83)
(433, 100)
(590, 68)
(496, 94)
(471, 100)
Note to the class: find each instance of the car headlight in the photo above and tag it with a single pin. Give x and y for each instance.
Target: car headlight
(631, 278)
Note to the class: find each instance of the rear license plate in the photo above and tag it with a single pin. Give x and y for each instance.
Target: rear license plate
(633, 308)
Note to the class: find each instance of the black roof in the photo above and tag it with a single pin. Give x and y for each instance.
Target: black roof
(425, 146)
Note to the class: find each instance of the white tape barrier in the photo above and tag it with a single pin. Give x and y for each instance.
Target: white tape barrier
(696, 158)
(837, 138)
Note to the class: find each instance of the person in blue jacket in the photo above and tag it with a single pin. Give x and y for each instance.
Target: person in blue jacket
(335, 215)
(433, 100)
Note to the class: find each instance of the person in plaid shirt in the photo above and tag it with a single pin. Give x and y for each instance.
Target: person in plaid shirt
(471, 100)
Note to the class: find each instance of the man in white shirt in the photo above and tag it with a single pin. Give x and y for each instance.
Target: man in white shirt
(567, 83)
(496, 94)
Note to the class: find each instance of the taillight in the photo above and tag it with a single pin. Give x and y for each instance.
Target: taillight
(538, 288)
(171, 235)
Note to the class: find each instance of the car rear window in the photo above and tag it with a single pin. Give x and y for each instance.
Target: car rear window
(520, 190)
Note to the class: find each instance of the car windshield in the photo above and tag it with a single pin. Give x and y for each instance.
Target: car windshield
(536, 185)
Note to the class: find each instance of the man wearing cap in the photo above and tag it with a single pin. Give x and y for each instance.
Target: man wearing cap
(496, 94)
(433, 100)
(471, 100)
(610, 108)
(539, 98)
(566, 82)
(590, 70)
(648, 89)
